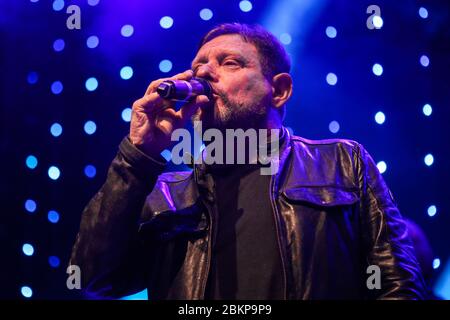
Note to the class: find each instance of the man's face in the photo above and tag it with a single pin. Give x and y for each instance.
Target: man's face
(242, 95)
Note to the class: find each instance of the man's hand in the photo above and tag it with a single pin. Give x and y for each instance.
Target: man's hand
(153, 118)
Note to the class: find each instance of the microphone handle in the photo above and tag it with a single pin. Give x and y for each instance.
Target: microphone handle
(182, 90)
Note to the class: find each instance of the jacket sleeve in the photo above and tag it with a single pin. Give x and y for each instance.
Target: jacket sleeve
(388, 245)
(113, 261)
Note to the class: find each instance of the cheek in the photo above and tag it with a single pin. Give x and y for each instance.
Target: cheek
(248, 87)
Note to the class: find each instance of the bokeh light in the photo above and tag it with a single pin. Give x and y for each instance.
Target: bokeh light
(126, 72)
(90, 127)
(56, 129)
(382, 167)
(377, 69)
(331, 79)
(432, 210)
(331, 32)
(57, 87)
(165, 65)
(206, 14)
(334, 126)
(54, 173)
(53, 216)
(31, 162)
(380, 118)
(166, 22)
(127, 30)
(429, 159)
(91, 84)
(28, 249)
(245, 6)
(92, 42)
(58, 45)
(427, 110)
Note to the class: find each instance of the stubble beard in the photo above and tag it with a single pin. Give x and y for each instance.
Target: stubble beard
(233, 114)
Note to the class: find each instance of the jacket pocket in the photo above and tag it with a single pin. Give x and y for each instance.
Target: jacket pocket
(321, 196)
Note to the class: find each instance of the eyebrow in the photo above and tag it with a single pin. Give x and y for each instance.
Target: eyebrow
(220, 56)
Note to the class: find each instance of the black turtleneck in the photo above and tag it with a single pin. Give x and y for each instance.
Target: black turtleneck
(246, 262)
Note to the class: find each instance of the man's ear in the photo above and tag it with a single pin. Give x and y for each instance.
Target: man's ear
(281, 89)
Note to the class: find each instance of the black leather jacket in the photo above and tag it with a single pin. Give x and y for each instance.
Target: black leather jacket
(333, 212)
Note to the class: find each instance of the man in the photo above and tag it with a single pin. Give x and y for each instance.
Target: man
(311, 230)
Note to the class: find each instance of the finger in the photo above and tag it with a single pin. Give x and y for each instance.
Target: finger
(186, 75)
(189, 109)
(152, 104)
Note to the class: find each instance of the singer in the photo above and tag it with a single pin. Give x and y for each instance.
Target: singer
(323, 226)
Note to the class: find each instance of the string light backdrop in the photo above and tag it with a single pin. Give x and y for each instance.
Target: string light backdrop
(66, 99)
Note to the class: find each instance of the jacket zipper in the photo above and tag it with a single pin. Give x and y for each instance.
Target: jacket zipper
(208, 259)
(277, 227)
(209, 208)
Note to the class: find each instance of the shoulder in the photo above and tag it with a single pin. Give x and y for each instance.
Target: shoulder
(331, 162)
(326, 145)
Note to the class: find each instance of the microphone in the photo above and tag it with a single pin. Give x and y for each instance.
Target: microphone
(183, 90)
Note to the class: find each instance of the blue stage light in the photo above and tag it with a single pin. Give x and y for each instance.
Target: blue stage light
(92, 42)
(58, 45)
(334, 126)
(331, 32)
(126, 114)
(28, 249)
(432, 210)
(93, 2)
(30, 205)
(166, 22)
(245, 5)
(436, 263)
(429, 159)
(285, 38)
(165, 65)
(166, 154)
(377, 22)
(331, 79)
(54, 261)
(90, 127)
(56, 129)
(127, 30)
(31, 162)
(427, 110)
(58, 5)
(26, 291)
(90, 171)
(54, 173)
(380, 117)
(126, 72)
(91, 84)
(377, 69)
(206, 14)
(424, 61)
(32, 77)
(57, 87)
(53, 216)
(423, 13)
(382, 167)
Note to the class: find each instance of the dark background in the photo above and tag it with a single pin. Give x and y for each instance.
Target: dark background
(27, 33)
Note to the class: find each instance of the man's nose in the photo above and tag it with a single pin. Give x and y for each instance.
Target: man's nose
(206, 72)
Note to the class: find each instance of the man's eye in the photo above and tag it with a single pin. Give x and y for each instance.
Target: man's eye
(231, 63)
